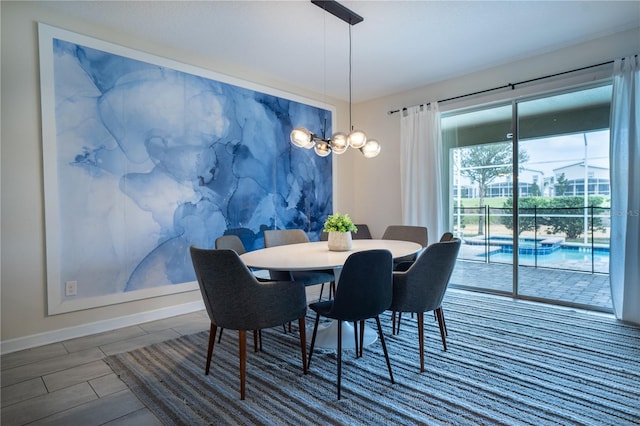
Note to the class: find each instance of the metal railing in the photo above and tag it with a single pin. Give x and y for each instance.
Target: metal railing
(571, 238)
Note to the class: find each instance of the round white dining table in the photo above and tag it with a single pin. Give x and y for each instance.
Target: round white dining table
(316, 255)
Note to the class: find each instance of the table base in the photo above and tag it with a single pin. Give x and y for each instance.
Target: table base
(327, 336)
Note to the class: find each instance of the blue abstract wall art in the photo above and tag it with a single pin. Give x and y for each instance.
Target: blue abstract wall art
(145, 157)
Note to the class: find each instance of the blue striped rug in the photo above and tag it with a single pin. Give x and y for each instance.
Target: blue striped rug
(508, 363)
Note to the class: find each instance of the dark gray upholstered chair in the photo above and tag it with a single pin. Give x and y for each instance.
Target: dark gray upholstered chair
(280, 237)
(364, 291)
(233, 242)
(362, 234)
(421, 288)
(447, 236)
(416, 234)
(235, 300)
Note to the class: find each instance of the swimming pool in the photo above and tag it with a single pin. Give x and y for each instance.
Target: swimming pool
(544, 252)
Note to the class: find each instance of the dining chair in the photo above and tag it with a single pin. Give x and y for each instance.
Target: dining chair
(416, 234)
(279, 237)
(364, 291)
(362, 234)
(235, 300)
(233, 242)
(422, 286)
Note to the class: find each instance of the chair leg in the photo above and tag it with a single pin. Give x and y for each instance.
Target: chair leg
(212, 341)
(361, 336)
(303, 343)
(446, 333)
(398, 325)
(421, 339)
(443, 327)
(220, 337)
(256, 338)
(242, 344)
(355, 338)
(321, 290)
(339, 357)
(313, 340)
(384, 347)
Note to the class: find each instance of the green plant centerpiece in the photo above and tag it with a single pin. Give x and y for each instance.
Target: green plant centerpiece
(339, 227)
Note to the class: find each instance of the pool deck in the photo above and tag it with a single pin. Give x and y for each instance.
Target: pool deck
(581, 289)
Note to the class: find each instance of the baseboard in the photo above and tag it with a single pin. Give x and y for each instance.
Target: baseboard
(54, 336)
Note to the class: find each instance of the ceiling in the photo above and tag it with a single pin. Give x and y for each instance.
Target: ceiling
(400, 45)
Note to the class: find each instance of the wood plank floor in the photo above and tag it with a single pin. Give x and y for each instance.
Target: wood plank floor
(68, 383)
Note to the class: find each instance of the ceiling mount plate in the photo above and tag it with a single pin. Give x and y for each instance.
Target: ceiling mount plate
(339, 11)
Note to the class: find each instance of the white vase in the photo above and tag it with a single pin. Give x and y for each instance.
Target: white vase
(339, 241)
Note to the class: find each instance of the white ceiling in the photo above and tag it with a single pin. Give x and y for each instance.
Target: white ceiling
(399, 46)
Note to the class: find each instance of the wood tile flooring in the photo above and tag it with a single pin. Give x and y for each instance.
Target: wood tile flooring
(69, 383)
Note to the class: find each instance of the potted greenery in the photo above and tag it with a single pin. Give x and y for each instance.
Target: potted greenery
(339, 227)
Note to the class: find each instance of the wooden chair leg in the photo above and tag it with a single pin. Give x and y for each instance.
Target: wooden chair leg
(212, 340)
(384, 347)
(393, 322)
(220, 337)
(313, 340)
(398, 325)
(303, 343)
(256, 338)
(443, 328)
(242, 344)
(321, 291)
(339, 357)
(421, 339)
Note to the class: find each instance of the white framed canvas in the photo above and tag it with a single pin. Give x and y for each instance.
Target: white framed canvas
(144, 156)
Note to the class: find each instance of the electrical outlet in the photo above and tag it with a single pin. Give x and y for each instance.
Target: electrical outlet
(71, 288)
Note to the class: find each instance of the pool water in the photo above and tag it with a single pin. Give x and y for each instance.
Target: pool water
(561, 258)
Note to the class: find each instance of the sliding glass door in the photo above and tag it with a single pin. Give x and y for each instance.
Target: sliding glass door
(529, 186)
(480, 157)
(564, 198)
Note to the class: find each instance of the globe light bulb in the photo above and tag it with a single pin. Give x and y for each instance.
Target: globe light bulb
(371, 148)
(339, 143)
(301, 137)
(357, 139)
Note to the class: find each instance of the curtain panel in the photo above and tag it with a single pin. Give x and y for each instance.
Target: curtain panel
(421, 168)
(624, 264)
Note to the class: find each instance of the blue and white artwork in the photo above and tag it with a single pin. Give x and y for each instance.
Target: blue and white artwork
(151, 159)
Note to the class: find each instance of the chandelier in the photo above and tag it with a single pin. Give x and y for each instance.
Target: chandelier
(339, 141)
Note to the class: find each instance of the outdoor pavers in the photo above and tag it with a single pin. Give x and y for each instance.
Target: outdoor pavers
(574, 287)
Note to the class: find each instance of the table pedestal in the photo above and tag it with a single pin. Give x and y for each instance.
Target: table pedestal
(327, 336)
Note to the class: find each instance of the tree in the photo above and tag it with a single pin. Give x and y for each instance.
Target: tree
(569, 218)
(528, 207)
(535, 190)
(484, 163)
(562, 184)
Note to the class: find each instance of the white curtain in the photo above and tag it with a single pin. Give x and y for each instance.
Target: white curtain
(421, 169)
(624, 263)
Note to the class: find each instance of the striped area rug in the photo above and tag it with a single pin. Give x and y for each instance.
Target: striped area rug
(508, 363)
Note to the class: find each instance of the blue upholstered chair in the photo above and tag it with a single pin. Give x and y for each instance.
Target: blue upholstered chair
(422, 286)
(416, 234)
(364, 291)
(362, 234)
(235, 300)
(279, 237)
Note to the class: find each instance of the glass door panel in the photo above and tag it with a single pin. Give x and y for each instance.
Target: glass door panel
(480, 164)
(563, 197)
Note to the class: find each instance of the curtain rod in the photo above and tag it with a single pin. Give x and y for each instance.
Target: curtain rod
(509, 85)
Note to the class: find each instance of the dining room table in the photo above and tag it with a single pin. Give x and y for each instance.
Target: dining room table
(317, 256)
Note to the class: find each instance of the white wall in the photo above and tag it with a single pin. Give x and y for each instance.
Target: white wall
(379, 206)
(24, 317)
